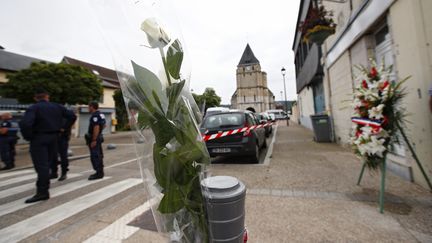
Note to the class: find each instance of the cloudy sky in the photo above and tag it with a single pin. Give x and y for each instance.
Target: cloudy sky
(215, 34)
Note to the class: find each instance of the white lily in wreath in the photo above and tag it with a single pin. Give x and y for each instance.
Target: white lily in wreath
(376, 112)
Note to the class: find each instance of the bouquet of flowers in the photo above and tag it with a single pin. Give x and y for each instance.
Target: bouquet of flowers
(146, 46)
(377, 114)
(318, 25)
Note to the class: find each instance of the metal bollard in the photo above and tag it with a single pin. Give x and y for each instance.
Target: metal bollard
(225, 196)
(111, 146)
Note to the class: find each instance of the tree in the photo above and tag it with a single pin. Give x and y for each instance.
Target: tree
(121, 112)
(66, 84)
(210, 98)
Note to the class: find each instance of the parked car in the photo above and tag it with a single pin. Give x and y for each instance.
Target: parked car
(246, 143)
(264, 118)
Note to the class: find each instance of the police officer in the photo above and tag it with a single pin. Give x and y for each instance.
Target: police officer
(41, 125)
(94, 139)
(7, 141)
(63, 145)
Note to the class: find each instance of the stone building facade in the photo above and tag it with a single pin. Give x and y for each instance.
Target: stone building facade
(252, 91)
(394, 31)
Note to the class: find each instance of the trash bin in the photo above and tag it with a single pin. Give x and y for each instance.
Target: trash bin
(225, 208)
(322, 128)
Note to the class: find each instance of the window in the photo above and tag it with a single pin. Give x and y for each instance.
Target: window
(254, 97)
(250, 120)
(380, 37)
(223, 120)
(244, 98)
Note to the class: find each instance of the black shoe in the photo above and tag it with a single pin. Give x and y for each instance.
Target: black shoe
(8, 167)
(62, 177)
(96, 176)
(38, 197)
(53, 175)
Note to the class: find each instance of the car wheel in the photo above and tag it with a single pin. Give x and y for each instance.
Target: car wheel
(255, 157)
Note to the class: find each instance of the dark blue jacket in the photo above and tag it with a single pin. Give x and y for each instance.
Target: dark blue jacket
(43, 118)
(96, 118)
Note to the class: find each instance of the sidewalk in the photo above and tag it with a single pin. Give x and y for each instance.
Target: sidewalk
(308, 193)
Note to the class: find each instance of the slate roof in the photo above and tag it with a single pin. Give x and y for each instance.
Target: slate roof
(14, 62)
(108, 76)
(248, 57)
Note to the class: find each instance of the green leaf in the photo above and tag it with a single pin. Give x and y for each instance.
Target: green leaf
(174, 59)
(151, 86)
(172, 200)
(173, 92)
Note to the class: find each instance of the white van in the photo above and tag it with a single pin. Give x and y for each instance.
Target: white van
(278, 113)
(212, 110)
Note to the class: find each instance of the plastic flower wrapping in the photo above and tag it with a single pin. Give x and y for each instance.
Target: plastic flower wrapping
(149, 57)
(377, 114)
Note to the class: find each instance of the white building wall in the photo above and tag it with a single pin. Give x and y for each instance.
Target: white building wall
(412, 34)
(306, 107)
(341, 90)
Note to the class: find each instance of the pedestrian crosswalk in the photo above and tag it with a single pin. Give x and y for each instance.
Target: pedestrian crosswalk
(16, 186)
(17, 180)
(15, 173)
(26, 187)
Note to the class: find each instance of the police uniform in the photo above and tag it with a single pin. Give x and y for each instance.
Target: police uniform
(41, 125)
(63, 145)
(5, 146)
(96, 153)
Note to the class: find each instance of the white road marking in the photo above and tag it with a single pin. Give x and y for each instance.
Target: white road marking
(119, 230)
(30, 226)
(57, 191)
(270, 148)
(26, 187)
(14, 173)
(114, 165)
(18, 179)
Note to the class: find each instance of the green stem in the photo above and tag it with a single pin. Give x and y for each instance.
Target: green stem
(382, 189)
(165, 65)
(414, 155)
(361, 173)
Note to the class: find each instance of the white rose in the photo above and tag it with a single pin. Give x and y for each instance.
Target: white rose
(156, 36)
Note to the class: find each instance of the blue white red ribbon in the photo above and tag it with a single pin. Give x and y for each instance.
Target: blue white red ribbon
(367, 122)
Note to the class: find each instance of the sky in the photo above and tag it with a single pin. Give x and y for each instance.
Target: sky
(215, 34)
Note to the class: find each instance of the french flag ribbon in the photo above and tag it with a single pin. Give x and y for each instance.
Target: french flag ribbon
(366, 122)
(231, 132)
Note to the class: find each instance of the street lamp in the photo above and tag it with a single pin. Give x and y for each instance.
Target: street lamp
(283, 71)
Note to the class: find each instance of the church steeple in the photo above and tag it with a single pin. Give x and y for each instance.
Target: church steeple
(248, 57)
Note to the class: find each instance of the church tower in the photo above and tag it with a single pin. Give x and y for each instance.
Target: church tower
(252, 91)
